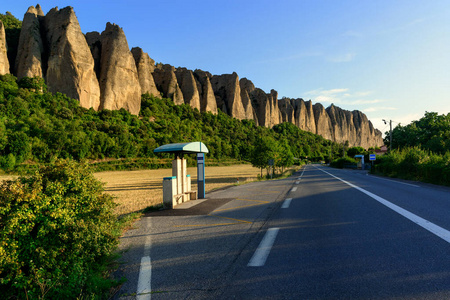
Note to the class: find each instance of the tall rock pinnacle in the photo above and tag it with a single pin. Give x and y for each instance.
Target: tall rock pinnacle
(145, 66)
(30, 53)
(207, 98)
(119, 82)
(70, 63)
(166, 82)
(188, 86)
(4, 63)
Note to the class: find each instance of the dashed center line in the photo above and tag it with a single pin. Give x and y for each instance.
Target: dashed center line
(262, 252)
(145, 276)
(286, 203)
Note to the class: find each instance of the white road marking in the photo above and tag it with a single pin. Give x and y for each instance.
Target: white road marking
(297, 182)
(262, 252)
(145, 273)
(395, 181)
(286, 203)
(431, 227)
(303, 171)
(294, 189)
(145, 276)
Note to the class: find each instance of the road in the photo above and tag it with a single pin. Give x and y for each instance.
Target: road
(320, 234)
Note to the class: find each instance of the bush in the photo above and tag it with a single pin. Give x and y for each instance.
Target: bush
(57, 229)
(343, 161)
(415, 164)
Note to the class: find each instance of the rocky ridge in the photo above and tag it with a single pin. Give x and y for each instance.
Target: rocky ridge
(102, 73)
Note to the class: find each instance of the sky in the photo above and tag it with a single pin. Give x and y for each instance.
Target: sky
(389, 59)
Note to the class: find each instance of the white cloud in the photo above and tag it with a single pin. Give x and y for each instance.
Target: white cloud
(379, 108)
(371, 101)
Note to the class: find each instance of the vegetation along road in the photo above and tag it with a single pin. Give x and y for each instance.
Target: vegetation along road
(319, 234)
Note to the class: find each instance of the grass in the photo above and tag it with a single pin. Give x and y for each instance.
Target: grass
(140, 189)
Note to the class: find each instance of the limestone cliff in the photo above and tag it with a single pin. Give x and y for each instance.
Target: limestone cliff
(119, 82)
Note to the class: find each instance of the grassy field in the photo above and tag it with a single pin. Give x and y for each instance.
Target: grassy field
(136, 190)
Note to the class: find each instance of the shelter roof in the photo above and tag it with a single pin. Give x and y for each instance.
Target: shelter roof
(185, 148)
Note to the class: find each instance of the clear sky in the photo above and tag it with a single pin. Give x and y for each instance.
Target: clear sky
(389, 59)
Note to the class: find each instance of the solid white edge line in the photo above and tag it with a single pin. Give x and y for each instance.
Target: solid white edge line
(262, 252)
(286, 203)
(294, 189)
(395, 181)
(431, 227)
(145, 276)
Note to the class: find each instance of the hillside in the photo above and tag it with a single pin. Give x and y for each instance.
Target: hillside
(100, 71)
(37, 126)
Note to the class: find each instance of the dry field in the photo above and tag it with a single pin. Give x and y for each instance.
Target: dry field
(136, 190)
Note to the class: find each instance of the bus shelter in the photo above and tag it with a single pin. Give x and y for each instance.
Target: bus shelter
(177, 188)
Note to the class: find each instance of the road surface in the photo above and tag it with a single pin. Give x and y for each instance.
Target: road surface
(320, 234)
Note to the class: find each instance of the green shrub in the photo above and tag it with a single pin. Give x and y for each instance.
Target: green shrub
(341, 162)
(57, 229)
(414, 163)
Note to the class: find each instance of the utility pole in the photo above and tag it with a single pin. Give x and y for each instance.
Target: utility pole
(390, 134)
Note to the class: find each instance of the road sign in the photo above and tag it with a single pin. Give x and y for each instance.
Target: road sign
(372, 157)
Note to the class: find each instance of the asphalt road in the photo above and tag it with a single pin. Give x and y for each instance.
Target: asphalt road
(321, 234)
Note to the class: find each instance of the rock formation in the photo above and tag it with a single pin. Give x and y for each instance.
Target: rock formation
(188, 86)
(145, 66)
(30, 55)
(166, 82)
(102, 72)
(228, 94)
(323, 122)
(70, 63)
(207, 98)
(94, 42)
(247, 87)
(4, 63)
(119, 82)
(286, 110)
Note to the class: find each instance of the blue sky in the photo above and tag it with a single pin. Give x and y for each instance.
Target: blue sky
(389, 59)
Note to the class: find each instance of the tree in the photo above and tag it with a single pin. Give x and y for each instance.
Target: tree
(265, 148)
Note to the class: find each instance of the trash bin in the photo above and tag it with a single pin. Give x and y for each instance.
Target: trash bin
(169, 191)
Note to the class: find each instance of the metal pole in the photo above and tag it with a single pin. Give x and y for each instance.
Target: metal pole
(390, 136)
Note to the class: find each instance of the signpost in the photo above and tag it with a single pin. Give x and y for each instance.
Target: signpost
(201, 175)
(271, 163)
(372, 158)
